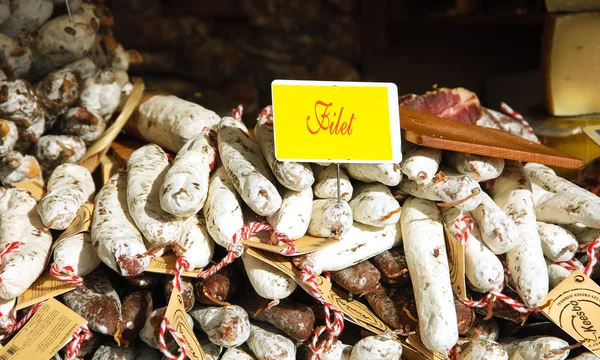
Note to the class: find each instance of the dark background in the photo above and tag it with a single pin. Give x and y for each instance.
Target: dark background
(228, 51)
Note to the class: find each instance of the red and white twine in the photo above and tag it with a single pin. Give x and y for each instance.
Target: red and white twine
(82, 334)
(591, 251)
(15, 325)
(333, 326)
(67, 274)
(510, 112)
(235, 249)
(181, 265)
(237, 112)
(463, 227)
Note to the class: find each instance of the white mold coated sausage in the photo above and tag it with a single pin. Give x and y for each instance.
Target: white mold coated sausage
(326, 183)
(425, 250)
(537, 347)
(195, 244)
(268, 345)
(21, 222)
(114, 235)
(78, 252)
(222, 209)
(293, 217)
(330, 218)
(420, 164)
(479, 168)
(292, 175)
(185, 187)
(146, 169)
(383, 347)
(498, 230)
(557, 243)
(512, 192)
(69, 187)
(226, 326)
(387, 174)
(267, 281)
(373, 204)
(246, 167)
(360, 243)
(483, 350)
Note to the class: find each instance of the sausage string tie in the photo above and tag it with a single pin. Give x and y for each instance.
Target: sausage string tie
(82, 334)
(8, 248)
(67, 274)
(15, 325)
(236, 249)
(335, 327)
(591, 250)
(462, 233)
(510, 112)
(569, 265)
(181, 265)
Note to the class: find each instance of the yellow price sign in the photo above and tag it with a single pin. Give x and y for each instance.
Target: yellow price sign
(330, 121)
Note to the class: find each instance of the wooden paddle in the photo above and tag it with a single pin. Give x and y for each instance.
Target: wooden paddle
(434, 132)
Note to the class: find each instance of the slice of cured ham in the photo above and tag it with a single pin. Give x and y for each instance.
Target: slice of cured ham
(454, 104)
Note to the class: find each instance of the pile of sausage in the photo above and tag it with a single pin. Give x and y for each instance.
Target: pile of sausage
(61, 80)
(523, 227)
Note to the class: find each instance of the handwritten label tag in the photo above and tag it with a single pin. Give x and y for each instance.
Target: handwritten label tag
(44, 288)
(34, 186)
(304, 245)
(593, 131)
(177, 317)
(334, 120)
(574, 305)
(415, 342)
(456, 264)
(44, 334)
(354, 311)
(166, 265)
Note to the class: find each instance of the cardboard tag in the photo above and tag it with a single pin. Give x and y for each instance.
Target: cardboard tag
(34, 186)
(304, 245)
(44, 334)
(81, 223)
(574, 305)
(44, 288)
(177, 317)
(334, 119)
(456, 265)
(415, 342)
(166, 265)
(354, 310)
(593, 131)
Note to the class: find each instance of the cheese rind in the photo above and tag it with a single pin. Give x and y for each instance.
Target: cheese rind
(572, 5)
(571, 62)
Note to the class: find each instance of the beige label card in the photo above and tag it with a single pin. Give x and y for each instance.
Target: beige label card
(456, 264)
(45, 333)
(178, 318)
(305, 244)
(574, 305)
(44, 288)
(166, 265)
(34, 186)
(81, 223)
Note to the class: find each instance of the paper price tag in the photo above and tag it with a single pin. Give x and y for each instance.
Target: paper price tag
(304, 245)
(574, 305)
(456, 265)
(45, 333)
(177, 317)
(44, 288)
(34, 186)
(166, 265)
(415, 341)
(354, 311)
(331, 121)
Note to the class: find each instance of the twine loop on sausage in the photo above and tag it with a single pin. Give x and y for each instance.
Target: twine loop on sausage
(591, 251)
(236, 249)
(515, 115)
(15, 325)
(570, 265)
(82, 334)
(166, 325)
(237, 112)
(66, 274)
(267, 115)
(10, 247)
(463, 227)
(335, 327)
